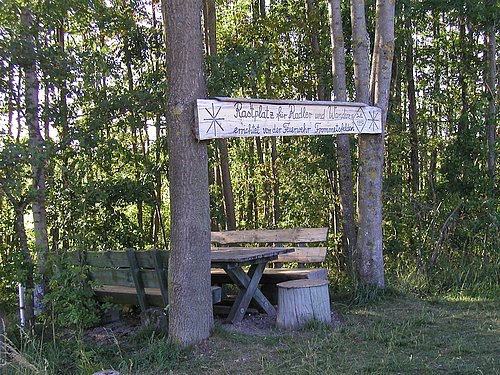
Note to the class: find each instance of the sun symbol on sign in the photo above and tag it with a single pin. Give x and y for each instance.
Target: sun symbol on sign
(373, 120)
(214, 120)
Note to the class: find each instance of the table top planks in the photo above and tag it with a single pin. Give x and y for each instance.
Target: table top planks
(246, 254)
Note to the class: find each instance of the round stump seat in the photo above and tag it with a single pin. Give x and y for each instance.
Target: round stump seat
(301, 301)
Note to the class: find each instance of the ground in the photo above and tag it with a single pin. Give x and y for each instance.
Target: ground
(396, 335)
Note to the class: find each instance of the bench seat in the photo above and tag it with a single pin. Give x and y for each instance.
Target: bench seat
(123, 295)
(276, 275)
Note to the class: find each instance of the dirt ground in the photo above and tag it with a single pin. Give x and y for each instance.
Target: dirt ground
(252, 325)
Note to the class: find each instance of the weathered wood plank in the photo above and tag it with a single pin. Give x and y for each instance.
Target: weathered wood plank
(224, 118)
(136, 276)
(235, 255)
(304, 255)
(123, 277)
(161, 272)
(113, 259)
(127, 296)
(296, 235)
(276, 275)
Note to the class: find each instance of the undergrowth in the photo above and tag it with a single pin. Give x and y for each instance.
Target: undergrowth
(407, 328)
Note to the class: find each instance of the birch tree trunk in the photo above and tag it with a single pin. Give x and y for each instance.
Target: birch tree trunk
(190, 313)
(371, 147)
(344, 163)
(36, 148)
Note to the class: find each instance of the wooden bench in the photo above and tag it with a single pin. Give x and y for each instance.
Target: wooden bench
(301, 259)
(128, 277)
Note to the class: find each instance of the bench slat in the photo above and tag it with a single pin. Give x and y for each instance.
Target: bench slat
(128, 296)
(123, 277)
(276, 275)
(296, 235)
(304, 255)
(114, 259)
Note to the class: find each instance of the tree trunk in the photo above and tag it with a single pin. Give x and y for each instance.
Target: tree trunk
(227, 187)
(412, 112)
(20, 229)
(36, 148)
(361, 51)
(276, 184)
(491, 92)
(133, 128)
(210, 21)
(314, 27)
(190, 312)
(344, 163)
(28, 263)
(371, 153)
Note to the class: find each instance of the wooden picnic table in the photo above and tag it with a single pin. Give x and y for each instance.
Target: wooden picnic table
(232, 260)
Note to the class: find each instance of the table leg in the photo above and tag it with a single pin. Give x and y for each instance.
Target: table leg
(248, 284)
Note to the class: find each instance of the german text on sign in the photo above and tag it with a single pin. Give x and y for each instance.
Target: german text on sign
(227, 117)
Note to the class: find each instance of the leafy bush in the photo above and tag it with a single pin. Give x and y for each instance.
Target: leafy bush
(70, 299)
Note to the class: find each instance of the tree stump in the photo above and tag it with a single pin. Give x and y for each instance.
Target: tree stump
(300, 301)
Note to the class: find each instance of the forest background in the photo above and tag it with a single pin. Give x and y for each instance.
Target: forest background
(98, 163)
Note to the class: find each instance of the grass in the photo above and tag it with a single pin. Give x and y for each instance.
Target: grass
(397, 334)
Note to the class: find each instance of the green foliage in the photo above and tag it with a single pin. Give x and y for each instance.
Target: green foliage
(70, 300)
(102, 104)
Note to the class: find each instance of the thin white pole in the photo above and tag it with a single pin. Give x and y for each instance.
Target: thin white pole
(22, 316)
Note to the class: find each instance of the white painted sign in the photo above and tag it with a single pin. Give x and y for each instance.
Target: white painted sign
(228, 117)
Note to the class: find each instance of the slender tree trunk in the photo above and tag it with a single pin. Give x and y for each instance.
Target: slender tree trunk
(414, 144)
(36, 146)
(135, 141)
(314, 27)
(210, 20)
(462, 79)
(28, 264)
(361, 51)
(11, 98)
(491, 92)
(276, 183)
(412, 112)
(371, 153)
(190, 313)
(20, 229)
(227, 187)
(344, 164)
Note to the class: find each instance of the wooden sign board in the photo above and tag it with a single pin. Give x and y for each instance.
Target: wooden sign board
(228, 117)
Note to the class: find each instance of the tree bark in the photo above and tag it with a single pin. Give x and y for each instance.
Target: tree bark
(36, 148)
(371, 153)
(227, 187)
(412, 112)
(314, 27)
(491, 92)
(361, 51)
(190, 313)
(133, 128)
(344, 163)
(210, 22)
(276, 184)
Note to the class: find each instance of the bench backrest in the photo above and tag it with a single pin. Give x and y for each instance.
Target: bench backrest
(297, 238)
(132, 269)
